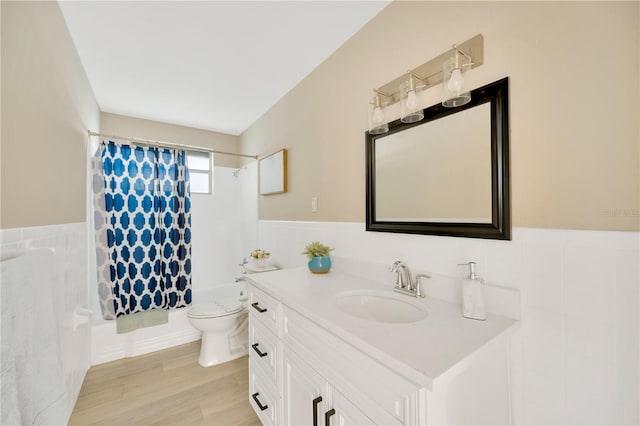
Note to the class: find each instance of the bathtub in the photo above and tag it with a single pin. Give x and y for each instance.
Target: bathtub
(107, 345)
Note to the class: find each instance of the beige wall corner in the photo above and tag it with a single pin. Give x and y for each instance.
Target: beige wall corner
(121, 125)
(47, 108)
(574, 88)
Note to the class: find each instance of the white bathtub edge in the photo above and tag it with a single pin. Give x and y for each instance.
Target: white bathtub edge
(107, 346)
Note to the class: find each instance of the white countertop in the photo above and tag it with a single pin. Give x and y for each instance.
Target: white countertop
(426, 352)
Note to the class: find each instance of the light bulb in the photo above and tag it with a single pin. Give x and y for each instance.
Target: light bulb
(377, 116)
(456, 80)
(412, 100)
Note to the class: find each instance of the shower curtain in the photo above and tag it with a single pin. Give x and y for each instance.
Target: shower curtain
(143, 228)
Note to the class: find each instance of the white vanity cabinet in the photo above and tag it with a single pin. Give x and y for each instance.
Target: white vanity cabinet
(298, 361)
(264, 357)
(309, 366)
(309, 399)
(304, 391)
(376, 395)
(346, 413)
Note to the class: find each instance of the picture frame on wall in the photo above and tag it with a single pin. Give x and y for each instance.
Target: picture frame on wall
(273, 173)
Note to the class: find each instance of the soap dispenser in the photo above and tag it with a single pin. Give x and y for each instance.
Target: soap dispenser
(473, 306)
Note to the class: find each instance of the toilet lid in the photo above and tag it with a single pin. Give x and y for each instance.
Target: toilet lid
(210, 310)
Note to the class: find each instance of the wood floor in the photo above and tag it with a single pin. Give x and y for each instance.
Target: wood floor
(166, 388)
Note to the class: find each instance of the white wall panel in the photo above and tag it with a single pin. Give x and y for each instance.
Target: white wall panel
(576, 358)
(67, 281)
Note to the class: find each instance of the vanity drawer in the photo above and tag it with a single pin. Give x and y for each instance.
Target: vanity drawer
(264, 308)
(371, 386)
(264, 349)
(263, 396)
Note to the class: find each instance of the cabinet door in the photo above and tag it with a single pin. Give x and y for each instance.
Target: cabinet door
(302, 386)
(346, 413)
(263, 396)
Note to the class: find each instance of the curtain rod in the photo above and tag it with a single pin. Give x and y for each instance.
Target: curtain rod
(151, 142)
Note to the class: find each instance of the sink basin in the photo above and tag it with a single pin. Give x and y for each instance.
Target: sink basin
(380, 306)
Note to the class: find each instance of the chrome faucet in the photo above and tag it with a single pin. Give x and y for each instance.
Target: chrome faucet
(405, 283)
(403, 275)
(243, 269)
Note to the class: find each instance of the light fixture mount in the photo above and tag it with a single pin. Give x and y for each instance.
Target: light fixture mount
(430, 73)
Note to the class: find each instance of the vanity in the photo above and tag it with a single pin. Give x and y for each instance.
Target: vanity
(344, 349)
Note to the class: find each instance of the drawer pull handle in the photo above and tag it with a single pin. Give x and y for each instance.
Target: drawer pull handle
(258, 308)
(315, 410)
(260, 406)
(258, 351)
(327, 416)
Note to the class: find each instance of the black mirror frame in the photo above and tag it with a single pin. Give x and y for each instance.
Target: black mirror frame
(497, 94)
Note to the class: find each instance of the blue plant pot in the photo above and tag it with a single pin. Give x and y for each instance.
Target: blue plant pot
(320, 265)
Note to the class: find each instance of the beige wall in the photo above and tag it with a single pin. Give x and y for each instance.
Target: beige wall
(47, 107)
(125, 126)
(574, 70)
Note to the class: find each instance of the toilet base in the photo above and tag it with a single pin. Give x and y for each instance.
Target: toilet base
(215, 349)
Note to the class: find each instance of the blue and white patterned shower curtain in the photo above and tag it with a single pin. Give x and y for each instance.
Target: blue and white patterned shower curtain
(143, 228)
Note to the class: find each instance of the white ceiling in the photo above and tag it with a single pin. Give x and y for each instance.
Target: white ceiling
(212, 65)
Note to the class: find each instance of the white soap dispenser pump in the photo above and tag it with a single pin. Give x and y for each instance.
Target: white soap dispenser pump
(473, 305)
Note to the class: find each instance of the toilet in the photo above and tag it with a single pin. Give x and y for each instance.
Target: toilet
(224, 330)
(224, 322)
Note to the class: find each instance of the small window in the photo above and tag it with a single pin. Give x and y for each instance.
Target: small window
(200, 172)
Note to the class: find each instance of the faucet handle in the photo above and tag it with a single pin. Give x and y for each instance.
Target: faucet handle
(419, 291)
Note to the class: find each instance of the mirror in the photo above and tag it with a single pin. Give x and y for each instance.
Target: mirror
(447, 174)
(273, 173)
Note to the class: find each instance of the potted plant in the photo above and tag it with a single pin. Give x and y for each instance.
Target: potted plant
(259, 257)
(318, 255)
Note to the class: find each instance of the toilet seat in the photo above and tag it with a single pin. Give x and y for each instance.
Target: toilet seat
(214, 310)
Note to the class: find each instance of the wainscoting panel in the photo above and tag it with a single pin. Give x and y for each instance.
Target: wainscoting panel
(54, 260)
(576, 358)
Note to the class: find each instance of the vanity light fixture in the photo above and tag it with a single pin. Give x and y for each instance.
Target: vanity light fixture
(453, 93)
(410, 110)
(446, 68)
(377, 123)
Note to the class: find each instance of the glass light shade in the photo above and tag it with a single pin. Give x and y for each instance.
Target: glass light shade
(456, 81)
(377, 122)
(410, 110)
(453, 91)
